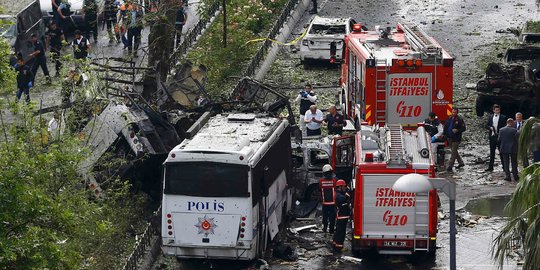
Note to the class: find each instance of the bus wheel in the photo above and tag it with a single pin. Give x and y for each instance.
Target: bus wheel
(313, 193)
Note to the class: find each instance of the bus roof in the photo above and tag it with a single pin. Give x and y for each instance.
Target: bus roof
(240, 135)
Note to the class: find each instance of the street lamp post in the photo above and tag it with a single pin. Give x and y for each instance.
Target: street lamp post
(418, 183)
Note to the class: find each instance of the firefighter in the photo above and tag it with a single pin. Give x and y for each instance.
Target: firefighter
(328, 192)
(343, 205)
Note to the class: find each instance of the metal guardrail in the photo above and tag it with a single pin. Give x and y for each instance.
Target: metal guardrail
(191, 36)
(152, 230)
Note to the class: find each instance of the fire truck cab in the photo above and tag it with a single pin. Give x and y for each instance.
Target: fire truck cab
(395, 76)
(385, 220)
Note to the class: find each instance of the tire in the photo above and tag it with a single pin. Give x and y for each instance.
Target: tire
(480, 106)
(313, 192)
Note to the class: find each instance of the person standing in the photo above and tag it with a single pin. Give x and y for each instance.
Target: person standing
(64, 14)
(508, 149)
(306, 98)
(454, 128)
(55, 37)
(343, 205)
(55, 4)
(134, 28)
(40, 60)
(80, 45)
(181, 19)
(314, 8)
(327, 184)
(89, 14)
(335, 121)
(434, 127)
(518, 124)
(109, 15)
(313, 119)
(496, 121)
(24, 79)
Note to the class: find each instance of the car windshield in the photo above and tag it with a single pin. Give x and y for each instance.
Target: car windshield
(322, 29)
(7, 30)
(206, 179)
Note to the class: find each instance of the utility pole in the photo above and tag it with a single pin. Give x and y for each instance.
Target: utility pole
(224, 24)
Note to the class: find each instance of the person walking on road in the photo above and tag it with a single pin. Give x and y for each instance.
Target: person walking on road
(89, 14)
(181, 19)
(306, 97)
(335, 121)
(508, 148)
(327, 184)
(343, 205)
(496, 121)
(453, 130)
(110, 9)
(134, 28)
(80, 45)
(24, 79)
(55, 37)
(313, 118)
(40, 60)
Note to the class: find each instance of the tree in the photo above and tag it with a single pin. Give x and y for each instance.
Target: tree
(523, 225)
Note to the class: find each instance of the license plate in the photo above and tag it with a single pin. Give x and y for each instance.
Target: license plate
(395, 243)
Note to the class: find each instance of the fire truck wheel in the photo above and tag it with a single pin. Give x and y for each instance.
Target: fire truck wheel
(313, 193)
(480, 104)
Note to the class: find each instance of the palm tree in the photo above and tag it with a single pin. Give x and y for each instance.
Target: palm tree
(523, 225)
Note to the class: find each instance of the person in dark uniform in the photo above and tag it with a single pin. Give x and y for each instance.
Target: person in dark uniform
(109, 15)
(24, 79)
(80, 45)
(55, 37)
(64, 16)
(508, 141)
(335, 121)
(181, 19)
(327, 185)
(40, 60)
(306, 98)
(90, 10)
(496, 121)
(343, 205)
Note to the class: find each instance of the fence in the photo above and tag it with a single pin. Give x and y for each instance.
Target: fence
(152, 230)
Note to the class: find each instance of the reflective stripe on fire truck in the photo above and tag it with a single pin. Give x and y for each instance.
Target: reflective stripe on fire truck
(449, 109)
(369, 117)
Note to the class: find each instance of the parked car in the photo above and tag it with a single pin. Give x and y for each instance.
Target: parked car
(27, 22)
(322, 34)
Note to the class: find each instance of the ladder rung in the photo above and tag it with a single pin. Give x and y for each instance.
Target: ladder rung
(422, 213)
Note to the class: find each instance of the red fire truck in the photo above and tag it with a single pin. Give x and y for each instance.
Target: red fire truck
(385, 220)
(395, 76)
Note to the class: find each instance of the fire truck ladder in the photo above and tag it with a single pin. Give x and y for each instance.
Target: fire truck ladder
(381, 70)
(394, 146)
(420, 41)
(421, 221)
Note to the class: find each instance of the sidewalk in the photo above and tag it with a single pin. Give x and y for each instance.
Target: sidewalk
(45, 96)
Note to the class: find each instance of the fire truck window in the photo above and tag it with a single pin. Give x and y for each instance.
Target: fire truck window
(319, 158)
(321, 29)
(206, 179)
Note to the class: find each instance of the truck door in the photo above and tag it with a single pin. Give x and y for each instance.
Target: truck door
(343, 157)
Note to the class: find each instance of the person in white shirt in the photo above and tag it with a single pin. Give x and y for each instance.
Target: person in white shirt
(313, 119)
(306, 98)
(54, 126)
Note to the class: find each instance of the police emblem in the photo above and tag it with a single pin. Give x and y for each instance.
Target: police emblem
(206, 226)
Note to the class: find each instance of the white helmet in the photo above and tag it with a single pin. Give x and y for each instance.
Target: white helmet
(327, 168)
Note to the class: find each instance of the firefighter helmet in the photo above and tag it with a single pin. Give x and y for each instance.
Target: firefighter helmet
(340, 183)
(327, 168)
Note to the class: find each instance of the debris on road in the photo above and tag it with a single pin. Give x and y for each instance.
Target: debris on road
(284, 252)
(303, 209)
(351, 259)
(298, 229)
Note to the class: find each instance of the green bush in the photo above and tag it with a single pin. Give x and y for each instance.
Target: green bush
(246, 20)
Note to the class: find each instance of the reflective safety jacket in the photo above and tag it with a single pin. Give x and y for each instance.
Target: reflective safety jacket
(328, 190)
(343, 204)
